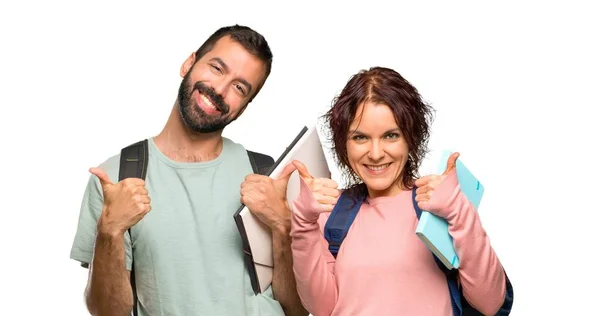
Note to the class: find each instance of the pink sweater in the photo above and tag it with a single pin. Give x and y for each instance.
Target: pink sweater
(382, 267)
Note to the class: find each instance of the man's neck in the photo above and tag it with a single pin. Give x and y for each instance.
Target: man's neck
(179, 143)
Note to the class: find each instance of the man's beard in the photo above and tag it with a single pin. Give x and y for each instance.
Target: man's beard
(193, 116)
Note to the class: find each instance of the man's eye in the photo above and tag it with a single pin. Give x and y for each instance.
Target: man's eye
(240, 88)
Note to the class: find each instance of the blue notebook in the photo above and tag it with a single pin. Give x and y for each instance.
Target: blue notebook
(433, 230)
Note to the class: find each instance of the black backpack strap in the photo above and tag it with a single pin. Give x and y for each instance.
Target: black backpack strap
(338, 224)
(134, 161)
(134, 164)
(261, 163)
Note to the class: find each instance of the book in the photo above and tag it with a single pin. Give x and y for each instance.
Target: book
(256, 236)
(433, 230)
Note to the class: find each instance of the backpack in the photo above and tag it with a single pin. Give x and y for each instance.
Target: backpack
(337, 227)
(134, 164)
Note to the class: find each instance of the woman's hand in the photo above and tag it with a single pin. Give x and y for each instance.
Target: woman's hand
(324, 190)
(428, 184)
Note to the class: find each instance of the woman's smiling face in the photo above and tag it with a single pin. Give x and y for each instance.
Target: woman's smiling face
(377, 151)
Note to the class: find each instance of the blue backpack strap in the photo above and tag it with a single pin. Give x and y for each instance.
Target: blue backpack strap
(508, 298)
(451, 275)
(339, 222)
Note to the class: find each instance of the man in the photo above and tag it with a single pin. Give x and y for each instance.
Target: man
(187, 251)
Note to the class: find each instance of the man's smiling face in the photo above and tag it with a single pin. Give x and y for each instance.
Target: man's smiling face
(216, 89)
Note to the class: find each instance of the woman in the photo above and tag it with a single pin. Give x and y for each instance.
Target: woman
(380, 127)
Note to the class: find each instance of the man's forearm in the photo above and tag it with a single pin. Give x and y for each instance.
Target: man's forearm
(284, 282)
(109, 291)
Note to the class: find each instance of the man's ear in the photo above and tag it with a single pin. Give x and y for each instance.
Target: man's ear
(187, 65)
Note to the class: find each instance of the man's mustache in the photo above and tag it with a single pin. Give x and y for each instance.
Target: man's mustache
(216, 99)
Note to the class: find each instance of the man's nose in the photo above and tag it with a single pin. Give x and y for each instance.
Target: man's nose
(220, 88)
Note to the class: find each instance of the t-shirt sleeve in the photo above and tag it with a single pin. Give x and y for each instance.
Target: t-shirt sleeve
(82, 249)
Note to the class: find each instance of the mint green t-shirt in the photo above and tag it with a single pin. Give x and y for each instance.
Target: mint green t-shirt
(188, 252)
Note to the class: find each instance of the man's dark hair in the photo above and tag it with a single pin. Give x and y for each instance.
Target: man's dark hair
(251, 40)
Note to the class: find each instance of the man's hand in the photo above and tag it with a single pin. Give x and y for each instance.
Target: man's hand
(324, 189)
(266, 198)
(125, 203)
(428, 184)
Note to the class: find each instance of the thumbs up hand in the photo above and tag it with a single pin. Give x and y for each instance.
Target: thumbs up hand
(324, 189)
(125, 203)
(428, 184)
(266, 198)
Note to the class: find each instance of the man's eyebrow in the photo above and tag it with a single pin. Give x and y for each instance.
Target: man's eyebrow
(226, 69)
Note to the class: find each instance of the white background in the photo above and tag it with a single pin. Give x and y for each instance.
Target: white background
(515, 86)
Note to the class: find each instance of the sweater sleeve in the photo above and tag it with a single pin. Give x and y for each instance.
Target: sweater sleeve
(313, 263)
(480, 273)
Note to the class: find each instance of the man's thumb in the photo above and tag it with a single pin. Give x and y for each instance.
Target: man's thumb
(102, 176)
